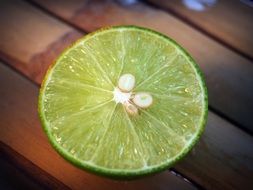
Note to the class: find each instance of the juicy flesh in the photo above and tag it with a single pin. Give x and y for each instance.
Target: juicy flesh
(85, 120)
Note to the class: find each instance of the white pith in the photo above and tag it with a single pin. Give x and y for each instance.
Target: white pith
(121, 97)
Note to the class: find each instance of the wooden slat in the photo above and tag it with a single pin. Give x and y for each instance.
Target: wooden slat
(228, 21)
(21, 130)
(228, 75)
(28, 34)
(222, 159)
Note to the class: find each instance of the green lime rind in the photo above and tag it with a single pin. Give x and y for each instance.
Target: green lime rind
(125, 174)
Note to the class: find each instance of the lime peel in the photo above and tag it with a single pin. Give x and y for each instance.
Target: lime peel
(136, 158)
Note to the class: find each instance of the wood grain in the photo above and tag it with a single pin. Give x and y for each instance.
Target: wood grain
(228, 21)
(21, 130)
(228, 75)
(222, 159)
(26, 34)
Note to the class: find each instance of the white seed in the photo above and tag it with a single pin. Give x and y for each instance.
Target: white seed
(130, 108)
(126, 82)
(143, 99)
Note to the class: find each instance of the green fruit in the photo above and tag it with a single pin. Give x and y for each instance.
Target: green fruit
(144, 128)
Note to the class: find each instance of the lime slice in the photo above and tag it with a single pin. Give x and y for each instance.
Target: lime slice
(123, 102)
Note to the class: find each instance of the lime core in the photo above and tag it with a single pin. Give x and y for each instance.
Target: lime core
(131, 101)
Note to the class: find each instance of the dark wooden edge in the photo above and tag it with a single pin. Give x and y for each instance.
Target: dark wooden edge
(187, 179)
(230, 120)
(29, 169)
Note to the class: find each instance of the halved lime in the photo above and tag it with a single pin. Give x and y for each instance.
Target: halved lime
(99, 127)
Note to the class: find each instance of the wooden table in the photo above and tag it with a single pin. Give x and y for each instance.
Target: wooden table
(220, 38)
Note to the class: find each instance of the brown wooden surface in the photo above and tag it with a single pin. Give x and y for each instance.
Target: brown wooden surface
(22, 131)
(228, 21)
(30, 41)
(223, 68)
